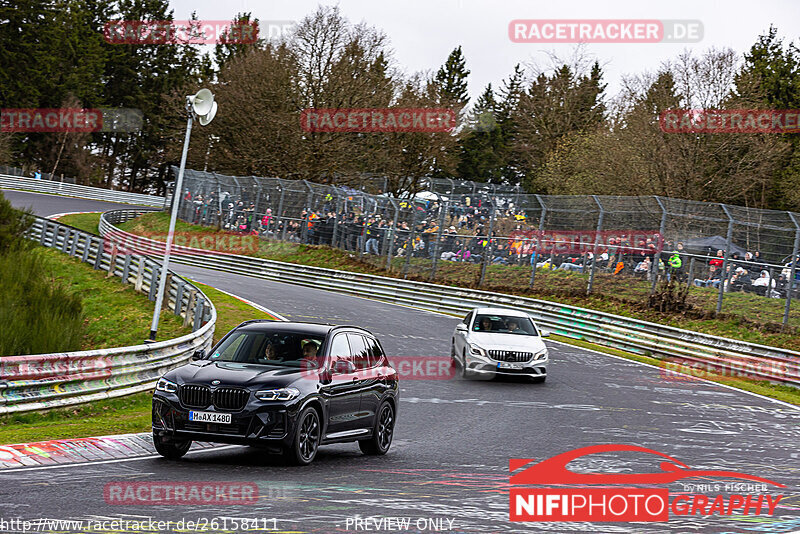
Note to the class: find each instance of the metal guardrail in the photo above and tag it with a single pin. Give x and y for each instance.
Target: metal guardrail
(35, 382)
(640, 337)
(82, 191)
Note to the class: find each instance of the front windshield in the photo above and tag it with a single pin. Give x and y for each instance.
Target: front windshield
(504, 324)
(288, 349)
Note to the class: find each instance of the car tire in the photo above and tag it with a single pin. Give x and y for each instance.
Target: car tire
(306, 441)
(464, 372)
(171, 449)
(382, 433)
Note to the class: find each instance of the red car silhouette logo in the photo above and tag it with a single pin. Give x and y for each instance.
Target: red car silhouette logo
(554, 470)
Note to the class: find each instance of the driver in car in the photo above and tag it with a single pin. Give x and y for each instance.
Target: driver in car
(513, 326)
(269, 352)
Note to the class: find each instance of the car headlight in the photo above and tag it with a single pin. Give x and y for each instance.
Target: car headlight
(165, 385)
(475, 349)
(541, 355)
(280, 394)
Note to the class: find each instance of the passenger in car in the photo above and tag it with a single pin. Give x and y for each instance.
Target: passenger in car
(485, 325)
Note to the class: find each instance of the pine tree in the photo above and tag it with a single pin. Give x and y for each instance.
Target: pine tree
(452, 79)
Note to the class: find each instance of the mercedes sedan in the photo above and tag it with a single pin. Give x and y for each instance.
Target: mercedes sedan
(495, 341)
(289, 387)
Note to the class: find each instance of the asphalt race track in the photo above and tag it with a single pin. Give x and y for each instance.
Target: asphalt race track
(454, 438)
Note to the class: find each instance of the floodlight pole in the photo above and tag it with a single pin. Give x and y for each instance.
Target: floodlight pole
(176, 199)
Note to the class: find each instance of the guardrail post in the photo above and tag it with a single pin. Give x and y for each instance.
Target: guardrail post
(198, 314)
(65, 242)
(112, 262)
(190, 306)
(596, 243)
(179, 297)
(87, 241)
(657, 255)
(74, 245)
(140, 273)
(43, 237)
(126, 269)
(535, 252)
(98, 259)
(792, 269)
(724, 277)
(154, 277)
(488, 251)
(168, 287)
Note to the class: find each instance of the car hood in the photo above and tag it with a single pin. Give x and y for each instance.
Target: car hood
(514, 342)
(236, 374)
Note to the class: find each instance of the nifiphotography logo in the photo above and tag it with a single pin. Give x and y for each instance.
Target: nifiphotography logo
(606, 497)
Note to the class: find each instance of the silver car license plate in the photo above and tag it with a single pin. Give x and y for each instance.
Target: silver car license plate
(210, 417)
(509, 365)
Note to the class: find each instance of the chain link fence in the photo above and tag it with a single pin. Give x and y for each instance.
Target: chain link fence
(731, 259)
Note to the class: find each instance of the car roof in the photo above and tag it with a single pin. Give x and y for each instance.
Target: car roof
(317, 329)
(500, 311)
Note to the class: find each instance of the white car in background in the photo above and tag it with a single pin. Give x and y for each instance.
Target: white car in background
(496, 341)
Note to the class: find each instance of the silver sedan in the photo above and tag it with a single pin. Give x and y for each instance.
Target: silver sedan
(496, 341)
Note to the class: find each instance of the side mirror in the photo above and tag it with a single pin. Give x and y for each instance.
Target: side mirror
(544, 333)
(461, 327)
(199, 355)
(343, 367)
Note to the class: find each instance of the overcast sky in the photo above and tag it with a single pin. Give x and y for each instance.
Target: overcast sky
(423, 32)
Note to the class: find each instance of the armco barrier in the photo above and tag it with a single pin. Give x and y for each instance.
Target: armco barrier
(42, 381)
(640, 337)
(82, 191)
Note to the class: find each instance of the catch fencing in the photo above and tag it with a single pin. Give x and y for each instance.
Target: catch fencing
(56, 187)
(734, 259)
(41, 381)
(640, 337)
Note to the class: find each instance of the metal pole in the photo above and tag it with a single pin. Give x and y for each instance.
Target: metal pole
(792, 269)
(393, 235)
(596, 244)
(535, 255)
(336, 212)
(410, 245)
(657, 255)
(723, 278)
(173, 217)
(437, 246)
(488, 250)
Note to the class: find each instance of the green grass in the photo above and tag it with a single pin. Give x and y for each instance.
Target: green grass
(84, 221)
(114, 416)
(115, 315)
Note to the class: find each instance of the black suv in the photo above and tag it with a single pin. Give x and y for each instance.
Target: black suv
(286, 386)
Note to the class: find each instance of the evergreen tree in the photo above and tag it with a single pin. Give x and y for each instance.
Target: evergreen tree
(452, 79)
